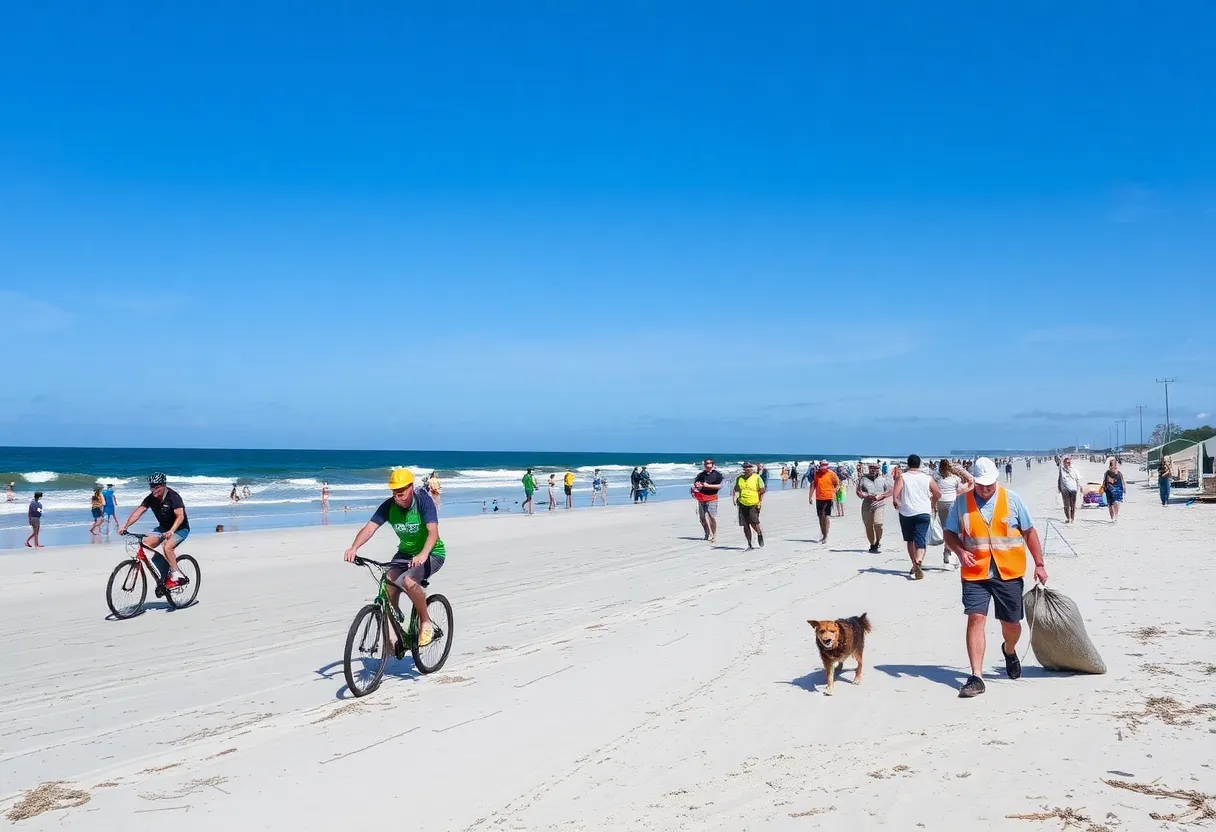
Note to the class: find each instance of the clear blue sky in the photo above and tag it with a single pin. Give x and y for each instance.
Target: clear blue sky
(629, 226)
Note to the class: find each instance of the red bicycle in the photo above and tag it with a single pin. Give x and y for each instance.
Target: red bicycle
(128, 586)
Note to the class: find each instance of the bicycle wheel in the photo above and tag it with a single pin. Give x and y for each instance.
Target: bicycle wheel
(184, 595)
(366, 651)
(127, 589)
(430, 658)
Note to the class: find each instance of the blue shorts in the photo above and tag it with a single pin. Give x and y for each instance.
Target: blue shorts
(915, 528)
(96, 513)
(109, 511)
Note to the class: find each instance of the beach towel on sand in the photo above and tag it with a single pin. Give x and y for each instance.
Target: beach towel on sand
(1057, 633)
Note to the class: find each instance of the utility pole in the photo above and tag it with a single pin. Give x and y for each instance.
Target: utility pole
(1140, 407)
(1167, 382)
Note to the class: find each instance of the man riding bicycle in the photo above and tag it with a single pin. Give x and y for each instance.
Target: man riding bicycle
(420, 553)
(173, 525)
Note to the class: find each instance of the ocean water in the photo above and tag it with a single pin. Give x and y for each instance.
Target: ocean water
(285, 485)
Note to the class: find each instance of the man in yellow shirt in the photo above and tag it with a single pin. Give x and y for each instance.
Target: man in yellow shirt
(748, 496)
(568, 483)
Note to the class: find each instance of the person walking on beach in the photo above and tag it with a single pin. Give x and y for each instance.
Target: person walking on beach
(644, 484)
(705, 488)
(529, 488)
(951, 486)
(1009, 470)
(634, 478)
(794, 474)
(324, 495)
(96, 502)
(991, 532)
(785, 476)
(34, 515)
(822, 495)
(748, 496)
(109, 506)
(599, 488)
(1112, 487)
(1165, 478)
(873, 489)
(915, 494)
(552, 492)
(1070, 486)
(762, 470)
(10, 493)
(840, 496)
(568, 485)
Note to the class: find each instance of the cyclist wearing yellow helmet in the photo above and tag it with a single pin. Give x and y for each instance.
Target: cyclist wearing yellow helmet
(420, 553)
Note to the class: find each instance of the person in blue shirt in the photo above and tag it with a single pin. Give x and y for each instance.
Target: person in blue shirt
(109, 506)
(980, 590)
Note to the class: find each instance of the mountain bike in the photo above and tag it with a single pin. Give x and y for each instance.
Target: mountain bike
(367, 642)
(128, 586)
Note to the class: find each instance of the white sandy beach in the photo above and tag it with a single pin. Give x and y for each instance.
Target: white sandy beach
(610, 670)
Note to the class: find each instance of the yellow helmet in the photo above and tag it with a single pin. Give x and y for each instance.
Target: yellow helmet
(400, 478)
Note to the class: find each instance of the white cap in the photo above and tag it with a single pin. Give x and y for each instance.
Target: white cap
(984, 471)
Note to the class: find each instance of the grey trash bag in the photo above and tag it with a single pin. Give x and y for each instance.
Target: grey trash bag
(1057, 633)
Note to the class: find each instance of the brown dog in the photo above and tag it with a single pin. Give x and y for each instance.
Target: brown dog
(838, 640)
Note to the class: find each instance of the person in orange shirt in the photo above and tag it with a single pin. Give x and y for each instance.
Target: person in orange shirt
(822, 494)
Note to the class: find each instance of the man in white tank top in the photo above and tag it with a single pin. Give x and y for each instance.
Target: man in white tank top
(916, 494)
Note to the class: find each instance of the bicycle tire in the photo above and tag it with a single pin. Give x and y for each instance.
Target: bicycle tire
(432, 657)
(183, 596)
(369, 623)
(131, 573)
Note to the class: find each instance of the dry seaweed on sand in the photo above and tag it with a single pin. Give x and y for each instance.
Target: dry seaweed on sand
(48, 797)
(1199, 805)
(1165, 708)
(1146, 634)
(1071, 817)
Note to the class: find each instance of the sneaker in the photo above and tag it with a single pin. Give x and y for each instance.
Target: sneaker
(760, 539)
(173, 583)
(918, 573)
(1013, 665)
(873, 548)
(973, 687)
(426, 635)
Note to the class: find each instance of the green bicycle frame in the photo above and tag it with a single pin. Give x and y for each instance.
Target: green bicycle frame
(382, 601)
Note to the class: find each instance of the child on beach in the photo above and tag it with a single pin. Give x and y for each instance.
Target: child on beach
(552, 492)
(840, 499)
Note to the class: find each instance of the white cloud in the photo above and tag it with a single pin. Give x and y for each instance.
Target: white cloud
(21, 313)
(1202, 415)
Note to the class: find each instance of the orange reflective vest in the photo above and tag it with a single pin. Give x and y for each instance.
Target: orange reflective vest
(998, 540)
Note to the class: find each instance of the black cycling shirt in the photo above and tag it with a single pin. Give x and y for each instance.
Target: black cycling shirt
(163, 509)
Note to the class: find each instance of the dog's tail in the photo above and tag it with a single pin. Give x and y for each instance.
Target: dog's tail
(865, 622)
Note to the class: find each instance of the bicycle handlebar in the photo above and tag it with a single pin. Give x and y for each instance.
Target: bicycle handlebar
(361, 561)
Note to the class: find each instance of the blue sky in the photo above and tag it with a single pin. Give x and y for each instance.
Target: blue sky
(764, 226)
